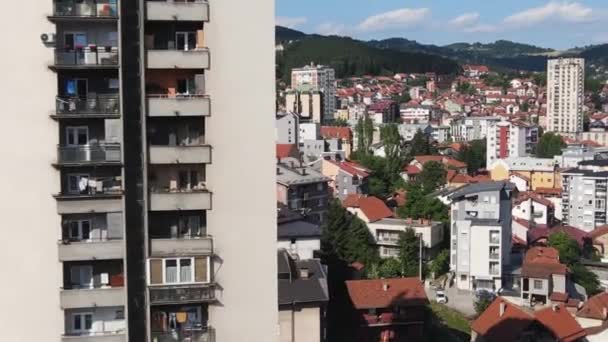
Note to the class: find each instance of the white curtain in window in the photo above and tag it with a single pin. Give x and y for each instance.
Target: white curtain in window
(171, 271)
(185, 271)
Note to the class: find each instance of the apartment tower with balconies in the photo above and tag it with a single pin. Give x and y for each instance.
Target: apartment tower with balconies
(565, 95)
(140, 229)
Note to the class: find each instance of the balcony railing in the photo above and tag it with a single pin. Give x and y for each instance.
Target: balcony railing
(89, 154)
(494, 256)
(202, 335)
(178, 105)
(92, 249)
(179, 294)
(90, 56)
(184, 246)
(97, 186)
(89, 106)
(95, 336)
(86, 8)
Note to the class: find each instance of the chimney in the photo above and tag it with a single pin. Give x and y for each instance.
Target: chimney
(303, 171)
(503, 306)
(555, 307)
(384, 287)
(304, 273)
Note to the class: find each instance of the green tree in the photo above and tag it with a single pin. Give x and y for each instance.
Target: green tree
(432, 176)
(524, 107)
(587, 279)
(420, 205)
(441, 263)
(540, 79)
(389, 134)
(340, 122)
(569, 251)
(421, 145)
(404, 97)
(481, 304)
(365, 134)
(465, 88)
(409, 252)
(389, 268)
(474, 155)
(549, 145)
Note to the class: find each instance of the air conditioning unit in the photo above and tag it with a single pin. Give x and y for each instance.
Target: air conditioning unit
(48, 38)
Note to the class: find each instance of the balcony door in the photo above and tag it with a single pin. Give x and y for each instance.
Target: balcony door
(186, 86)
(80, 230)
(75, 40)
(82, 323)
(81, 276)
(77, 87)
(185, 40)
(77, 135)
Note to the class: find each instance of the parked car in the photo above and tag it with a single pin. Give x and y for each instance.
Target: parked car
(485, 294)
(440, 297)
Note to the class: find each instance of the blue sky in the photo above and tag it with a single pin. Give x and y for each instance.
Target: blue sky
(557, 24)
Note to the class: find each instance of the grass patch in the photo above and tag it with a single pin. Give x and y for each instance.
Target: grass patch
(451, 318)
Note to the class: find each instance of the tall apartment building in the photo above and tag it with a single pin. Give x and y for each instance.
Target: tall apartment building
(510, 139)
(565, 95)
(480, 225)
(317, 78)
(129, 187)
(584, 195)
(307, 104)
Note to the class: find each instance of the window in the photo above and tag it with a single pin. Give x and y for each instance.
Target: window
(179, 271)
(81, 276)
(82, 322)
(320, 187)
(185, 40)
(463, 277)
(538, 284)
(77, 136)
(188, 179)
(79, 230)
(78, 183)
(186, 86)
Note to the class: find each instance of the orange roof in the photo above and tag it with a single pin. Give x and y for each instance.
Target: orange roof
(386, 293)
(374, 208)
(524, 196)
(506, 327)
(352, 200)
(599, 231)
(561, 323)
(542, 262)
(549, 191)
(330, 132)
(286, 150)
(594, 307)
(449, 162)
(412, 170)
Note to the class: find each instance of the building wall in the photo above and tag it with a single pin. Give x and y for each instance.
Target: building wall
(105, 319)
(300, 325)
(304, 248)
(241, 35)
(565, 89)
(287, 129)
(29, 255)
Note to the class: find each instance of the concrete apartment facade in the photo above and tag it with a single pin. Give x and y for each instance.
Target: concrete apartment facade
(510, 139)
(565, 95)
(316, 78)
(480, 225)
(584, 195)
(134, 236)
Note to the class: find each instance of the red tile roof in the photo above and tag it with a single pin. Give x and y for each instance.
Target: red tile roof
(542, 262)
(386, 293)
(449, 162)
(286, 150)
(524, 196)
(374, 208)
(412, 170)
(599, 231)
(529, 224)
(596, 307)
(559, 297)
(561, 323)
(352, 168)
(331, 132)
(517, 241)
(502, 328)
(549, 191)
(352, 200)
(575, 233)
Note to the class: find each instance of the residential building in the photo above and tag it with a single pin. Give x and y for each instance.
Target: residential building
(472, 128)
(317, 78)
(303, 295)
(302, 189)
(346, 177)
(367, 208)
(296, 235)
(408, 131)
(388, 309)
(531, 206)
(310, 131)
(593, 316)
(475, 71)
(308, 104)
(584, 195)
(539, 172)
(417, 92)
(122, 250)
(510, 139)
(480, 225)
(386, 234)
(385, 111)
(441, 134)
(543, 277)
(342, 135)
(573, 154)
(415, 114)
(287, 128)
(565, 95)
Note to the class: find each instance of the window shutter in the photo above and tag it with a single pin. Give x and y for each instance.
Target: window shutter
(201, 265)
(156, 271)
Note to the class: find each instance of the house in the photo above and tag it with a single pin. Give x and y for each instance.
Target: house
(287, 128)
(504, 321)
(542, 172)
(346, 177)
(543, 277)
(475, 71)
(284, 151)
(416, 166)
(599, 238)
(481, 234)
(594, 312)
(302, 297)
(296, 235)
(408, 131)
(386, 111)
(343, 134)
(388, 309)
(386, 234)
(538, 236)
(367, 208)
(303, 189)
(530, 206)
(415, 114)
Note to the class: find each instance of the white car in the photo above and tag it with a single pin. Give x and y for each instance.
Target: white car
(440, 297)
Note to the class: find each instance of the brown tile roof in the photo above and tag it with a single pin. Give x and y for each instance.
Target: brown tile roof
(561, 323)
(594, 307)
(599, 231)
(286, 150)
(329, 132)
(369, 294)
(352, 200)
(412, 170)
(502, 328)
(542, 262)
(374, 208)
(559, 297)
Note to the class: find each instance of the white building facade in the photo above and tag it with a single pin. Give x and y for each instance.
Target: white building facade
(565, 95)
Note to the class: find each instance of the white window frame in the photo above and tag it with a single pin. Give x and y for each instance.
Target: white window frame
(80, 268)
(74, 132)
(82, 317)
(193, 272)
(80, 224)
(185, 34)
(80, 176)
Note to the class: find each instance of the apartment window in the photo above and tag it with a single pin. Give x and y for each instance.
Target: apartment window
(186, 86)
(79, 230)
(82, 322)
(320, 186)
(188, 179)
(77, 136)
(78, 183)
(81, 276)
(185, 40)
(179, 271)
(538, 284)
(463, 277)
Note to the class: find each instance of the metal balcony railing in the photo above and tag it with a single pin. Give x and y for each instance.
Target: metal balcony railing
(100, 104)
(86, 8)
(97, 153)
(87, 56)
(187, 335)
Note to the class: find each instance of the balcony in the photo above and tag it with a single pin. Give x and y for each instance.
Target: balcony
(91, 250)
(176, 10)
(181, 294)
(163, 200)
(181, 247)
(107, 336)
(102, 106)
(188, 154)
(99, 10)
(103, 153)
(100, 195)
(90, 298)
(494, 256)
(178, 59)
(180, 105)
(202, 335)
(90, 57)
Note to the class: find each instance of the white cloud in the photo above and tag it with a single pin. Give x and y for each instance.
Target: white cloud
(481, 28)
(572, 12)
(465, 20)
(329, 28)
(291, 22)
(403, 17)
